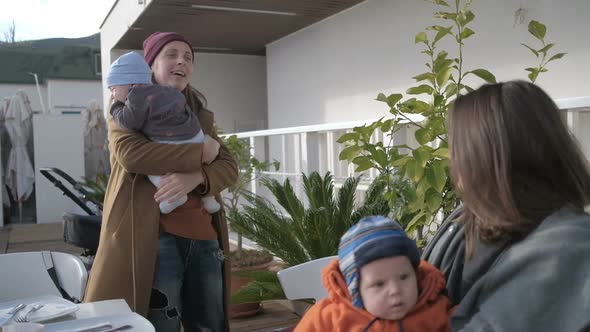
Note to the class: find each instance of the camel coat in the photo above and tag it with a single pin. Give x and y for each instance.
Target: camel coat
(126, 257)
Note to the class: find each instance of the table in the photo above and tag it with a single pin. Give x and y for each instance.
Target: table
(116, 312)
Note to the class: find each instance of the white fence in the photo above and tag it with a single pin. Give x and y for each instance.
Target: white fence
(314, 148)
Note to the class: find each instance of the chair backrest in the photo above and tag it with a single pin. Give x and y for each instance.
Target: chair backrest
(27, 274)
(71, 274)
(304, 281)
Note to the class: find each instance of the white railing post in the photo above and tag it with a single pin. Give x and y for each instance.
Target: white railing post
(253, 154)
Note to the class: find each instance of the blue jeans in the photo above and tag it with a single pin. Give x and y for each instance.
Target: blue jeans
(188, 286)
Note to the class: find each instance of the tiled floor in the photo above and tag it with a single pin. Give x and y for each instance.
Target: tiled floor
(32, 237)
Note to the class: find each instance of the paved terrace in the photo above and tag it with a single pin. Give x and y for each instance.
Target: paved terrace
(38, 237)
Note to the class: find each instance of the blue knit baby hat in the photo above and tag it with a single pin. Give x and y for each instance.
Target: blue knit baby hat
(129, 68)
(372, 238)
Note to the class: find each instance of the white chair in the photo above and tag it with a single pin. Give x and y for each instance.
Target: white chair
(29, 274)
(304, 281)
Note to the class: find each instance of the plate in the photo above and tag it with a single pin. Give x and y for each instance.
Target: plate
(53, 307)
(136, 321)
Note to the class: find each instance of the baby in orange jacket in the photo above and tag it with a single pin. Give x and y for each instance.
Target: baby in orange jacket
(379, 283)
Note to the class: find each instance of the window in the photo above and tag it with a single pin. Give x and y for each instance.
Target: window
(97, 64)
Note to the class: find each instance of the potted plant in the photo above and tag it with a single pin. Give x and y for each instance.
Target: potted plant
(245, 269)
(297, 232)
(244, 262)
(425, 166)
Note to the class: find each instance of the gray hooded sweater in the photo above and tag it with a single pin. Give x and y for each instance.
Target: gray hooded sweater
(159, 112)
(541, 283)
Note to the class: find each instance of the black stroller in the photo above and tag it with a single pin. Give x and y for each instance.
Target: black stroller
(82, 231)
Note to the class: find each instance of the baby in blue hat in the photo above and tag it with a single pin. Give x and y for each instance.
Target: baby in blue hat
(159, 112)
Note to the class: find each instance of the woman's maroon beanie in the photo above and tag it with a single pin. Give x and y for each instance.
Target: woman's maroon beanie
(153, 44)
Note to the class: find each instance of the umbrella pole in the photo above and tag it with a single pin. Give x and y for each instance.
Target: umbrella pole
(20, 212)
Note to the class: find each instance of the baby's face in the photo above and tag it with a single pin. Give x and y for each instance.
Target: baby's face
(388, 287)
(120, 92)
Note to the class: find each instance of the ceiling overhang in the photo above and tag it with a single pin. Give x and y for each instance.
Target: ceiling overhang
(230, 26)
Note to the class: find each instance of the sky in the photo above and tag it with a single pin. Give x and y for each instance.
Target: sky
(40, 19)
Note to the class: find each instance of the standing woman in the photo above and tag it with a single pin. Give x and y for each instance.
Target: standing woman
(522, 237)
(170, 268)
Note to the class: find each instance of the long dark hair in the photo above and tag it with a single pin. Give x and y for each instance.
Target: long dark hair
(513, 161)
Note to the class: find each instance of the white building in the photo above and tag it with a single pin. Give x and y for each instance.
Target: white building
(60, 76)
(296, 63)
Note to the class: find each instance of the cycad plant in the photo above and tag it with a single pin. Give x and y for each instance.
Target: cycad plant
(303, 232)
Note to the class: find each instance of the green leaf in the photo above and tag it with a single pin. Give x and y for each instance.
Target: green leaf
(417, 221)
(381, 97)
(451, 90)
(438, 99)
(420, 90)
(441, 2)
(350, 152)
(437, 176)
(531, 49)
(446, 15)
(441, 64)
(442, 77)
(363, 166)
(484, 75)
(393, 99)
(441, 33)
(401, 161)
(442, 55)
(533, 76)
(386, 125)
(423, 135)
(433, 201)
(537, 29)
(546, 48)
(414, 106)
(557, 56)
(421, 38)
(469, 16)
(441, 152)
(467, 33)
(348, 137)
(381, 158)
(425, 76)
(422, 156)
(421, 188)
(414, 171)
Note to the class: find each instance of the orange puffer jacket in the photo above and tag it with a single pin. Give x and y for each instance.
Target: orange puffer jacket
(336, 313)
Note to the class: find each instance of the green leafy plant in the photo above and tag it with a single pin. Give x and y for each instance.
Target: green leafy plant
(96, 187)
(297, 232)
(300, 233)
(417, 177)
(538, 30)
(251, 169)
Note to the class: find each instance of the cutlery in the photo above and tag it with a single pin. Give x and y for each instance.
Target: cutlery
(120, 328)
(103, 327)
(8, 316)
(25, 318)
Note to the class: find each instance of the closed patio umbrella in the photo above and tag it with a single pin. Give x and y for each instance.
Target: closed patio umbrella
(96, 156)
(5, 148)
(20, 175)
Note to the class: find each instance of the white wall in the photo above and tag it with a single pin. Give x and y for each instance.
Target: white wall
(333, 70)
(234, 85)
(59, 142)
(235, 88)
(9, 90)
(72, 95)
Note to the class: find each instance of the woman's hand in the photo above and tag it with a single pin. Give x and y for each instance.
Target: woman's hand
(173, 186)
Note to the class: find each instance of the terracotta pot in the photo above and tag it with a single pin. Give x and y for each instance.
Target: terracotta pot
(244, 310)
